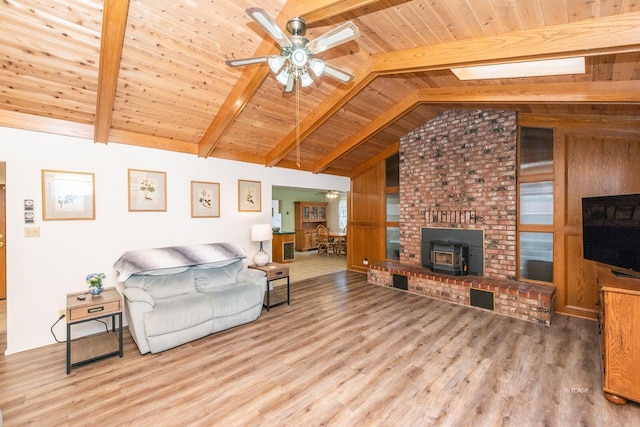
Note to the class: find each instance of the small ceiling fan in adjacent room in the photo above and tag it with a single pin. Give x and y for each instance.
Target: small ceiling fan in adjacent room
(296, 52)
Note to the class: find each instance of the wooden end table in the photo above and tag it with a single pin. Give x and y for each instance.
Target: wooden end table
(97, 346)
(275, 272)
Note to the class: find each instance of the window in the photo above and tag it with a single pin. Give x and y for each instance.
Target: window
(392, 207)
(342, 214)
(536, 256)
(536, 202)
(392, 171)
(536, 151)
(393, 243)
(535, 207)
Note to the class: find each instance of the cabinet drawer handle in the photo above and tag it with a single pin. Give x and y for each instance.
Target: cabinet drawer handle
(95, 309)
(279, 273)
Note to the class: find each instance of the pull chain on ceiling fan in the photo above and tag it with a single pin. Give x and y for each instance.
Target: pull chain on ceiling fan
(296, 52)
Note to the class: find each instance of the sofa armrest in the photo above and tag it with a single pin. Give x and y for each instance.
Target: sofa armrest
(137, 303)
(251, 275)
(138, 295)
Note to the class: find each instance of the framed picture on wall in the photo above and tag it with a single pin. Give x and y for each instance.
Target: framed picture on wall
(147, 191)
(249, 196)
(67, 195)
(205, 199)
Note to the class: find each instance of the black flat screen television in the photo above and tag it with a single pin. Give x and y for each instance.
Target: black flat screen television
(611, 231)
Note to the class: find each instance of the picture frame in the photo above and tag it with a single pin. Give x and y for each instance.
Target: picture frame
(68, 195)
(205, 199)
(249, 196)
(147, 190)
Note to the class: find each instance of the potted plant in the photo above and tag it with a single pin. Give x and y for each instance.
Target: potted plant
(94, 280)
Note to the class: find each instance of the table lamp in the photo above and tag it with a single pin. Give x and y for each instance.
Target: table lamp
(260, 233)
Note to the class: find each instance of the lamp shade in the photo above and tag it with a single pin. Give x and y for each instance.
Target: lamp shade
(261, 232)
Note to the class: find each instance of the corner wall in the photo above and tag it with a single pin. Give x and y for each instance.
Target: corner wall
(462, 164)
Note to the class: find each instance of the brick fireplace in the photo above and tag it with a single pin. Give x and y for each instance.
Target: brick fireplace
(458, 171)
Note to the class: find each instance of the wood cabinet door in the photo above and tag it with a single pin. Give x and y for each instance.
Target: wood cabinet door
(622, 341)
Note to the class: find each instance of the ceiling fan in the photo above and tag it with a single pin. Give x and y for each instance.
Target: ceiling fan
(296, 52)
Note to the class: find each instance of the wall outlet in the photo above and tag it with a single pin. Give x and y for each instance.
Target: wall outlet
(32, 232)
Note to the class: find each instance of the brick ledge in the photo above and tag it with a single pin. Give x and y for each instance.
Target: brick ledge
(527, 301)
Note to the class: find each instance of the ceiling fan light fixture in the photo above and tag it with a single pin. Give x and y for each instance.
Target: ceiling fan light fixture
(331, 194)
(317, 67)
(292, 66)
(276, 63)
(290, 81)
(283, 77)
(306, 80)
(299, 57)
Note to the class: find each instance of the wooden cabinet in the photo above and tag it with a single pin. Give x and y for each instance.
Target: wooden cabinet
(308, 216)
(283, 246)
(619, 319)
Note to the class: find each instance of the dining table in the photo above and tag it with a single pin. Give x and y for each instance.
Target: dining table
(339, 238)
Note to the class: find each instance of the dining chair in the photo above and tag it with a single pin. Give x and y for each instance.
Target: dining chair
(342, 244)
(324, 244)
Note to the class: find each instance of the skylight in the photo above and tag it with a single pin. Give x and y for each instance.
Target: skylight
(546, 67)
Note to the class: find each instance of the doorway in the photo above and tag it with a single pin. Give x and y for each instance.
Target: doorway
(308, 264)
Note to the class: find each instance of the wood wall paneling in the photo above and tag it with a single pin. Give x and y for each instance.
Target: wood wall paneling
(366, 218)
(593, 165)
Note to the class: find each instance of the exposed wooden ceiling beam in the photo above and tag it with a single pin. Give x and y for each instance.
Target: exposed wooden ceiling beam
(252, 77)
(152, 141)
(615, 34)
(35, 123)
(596, 36)
(549, 93)
(114, 24)
(318, 10)
(601, 92)
(246, 86)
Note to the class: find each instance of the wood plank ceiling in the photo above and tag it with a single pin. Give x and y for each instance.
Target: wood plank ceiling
(152, 72)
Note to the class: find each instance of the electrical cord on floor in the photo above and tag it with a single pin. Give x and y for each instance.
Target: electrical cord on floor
(104, 323)
(52, 326)
(62, 317)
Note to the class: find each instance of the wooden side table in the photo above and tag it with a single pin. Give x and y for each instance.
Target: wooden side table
(275, 272)
(97, 346)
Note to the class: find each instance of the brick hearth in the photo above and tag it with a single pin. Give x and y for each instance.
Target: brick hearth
(525, 301)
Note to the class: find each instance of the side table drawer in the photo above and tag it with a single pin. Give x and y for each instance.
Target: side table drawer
(80, 313)
(277, 273)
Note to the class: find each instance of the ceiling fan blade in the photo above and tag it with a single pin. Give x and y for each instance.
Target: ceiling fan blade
(338, 73)
(341, 34)
(262, 17)
(247, 61)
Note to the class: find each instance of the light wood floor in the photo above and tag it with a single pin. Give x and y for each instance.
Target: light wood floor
(309, 264)
(344, 353)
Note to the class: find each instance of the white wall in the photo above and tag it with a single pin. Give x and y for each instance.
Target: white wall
(42, 270)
